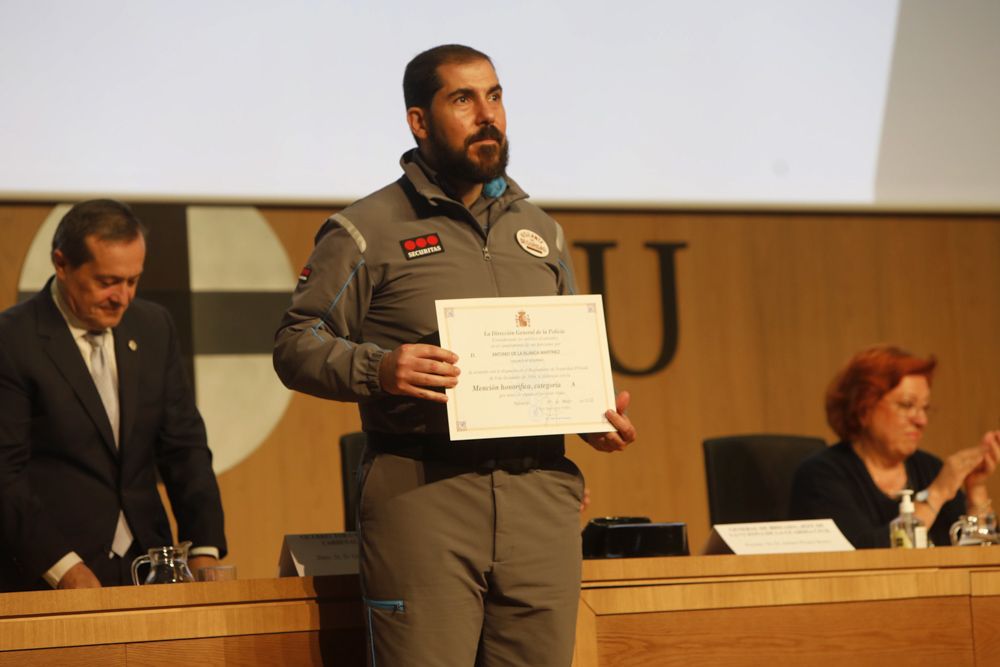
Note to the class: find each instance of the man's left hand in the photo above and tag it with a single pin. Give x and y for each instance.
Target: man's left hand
(624, 432)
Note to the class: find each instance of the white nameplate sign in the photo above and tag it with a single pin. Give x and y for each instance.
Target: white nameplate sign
(777, 537)
(318, 554)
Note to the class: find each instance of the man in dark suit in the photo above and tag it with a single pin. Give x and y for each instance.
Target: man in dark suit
(94, 401)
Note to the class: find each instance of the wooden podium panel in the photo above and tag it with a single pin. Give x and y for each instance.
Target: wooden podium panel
(934, 607)
(301, 621)
(112, 655)
(878, 607)
(986, 615)
(292, 648)
(818, 635)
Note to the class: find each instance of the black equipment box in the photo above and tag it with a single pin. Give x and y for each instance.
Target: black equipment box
(633, 537)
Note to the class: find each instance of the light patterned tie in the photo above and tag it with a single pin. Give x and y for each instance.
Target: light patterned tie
(100, 370)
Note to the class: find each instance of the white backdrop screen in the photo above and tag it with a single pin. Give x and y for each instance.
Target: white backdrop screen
(636, 102)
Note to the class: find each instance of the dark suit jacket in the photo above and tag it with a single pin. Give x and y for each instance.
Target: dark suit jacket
(62, 481)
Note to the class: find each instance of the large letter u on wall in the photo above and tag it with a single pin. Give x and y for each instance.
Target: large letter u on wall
(668, 299)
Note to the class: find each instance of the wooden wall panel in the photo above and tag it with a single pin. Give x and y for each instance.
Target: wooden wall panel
(291, 483)
(770, 306)
(18, 225)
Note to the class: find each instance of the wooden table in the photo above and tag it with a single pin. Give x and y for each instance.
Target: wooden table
(879, 607)
(290, 621)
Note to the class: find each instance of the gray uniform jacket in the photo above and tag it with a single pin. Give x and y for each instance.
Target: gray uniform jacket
(371, 281)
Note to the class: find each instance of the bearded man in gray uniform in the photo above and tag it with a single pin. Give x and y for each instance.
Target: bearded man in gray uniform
(470, 553)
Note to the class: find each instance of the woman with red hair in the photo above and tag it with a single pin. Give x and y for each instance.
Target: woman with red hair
(878, 405)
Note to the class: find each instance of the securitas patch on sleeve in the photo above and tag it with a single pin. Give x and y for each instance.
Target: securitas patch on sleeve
(306, 272)
(420, 246)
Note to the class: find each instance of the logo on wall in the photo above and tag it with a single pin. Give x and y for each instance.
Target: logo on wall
(225, 278)
(666, 252)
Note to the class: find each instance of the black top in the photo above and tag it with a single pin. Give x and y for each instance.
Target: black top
(835, 484)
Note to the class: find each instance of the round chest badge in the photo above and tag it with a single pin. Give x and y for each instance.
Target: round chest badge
(532, 243)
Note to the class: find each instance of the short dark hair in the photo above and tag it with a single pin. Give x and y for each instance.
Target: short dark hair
(107, 219)
(868, 376)
(421, 81)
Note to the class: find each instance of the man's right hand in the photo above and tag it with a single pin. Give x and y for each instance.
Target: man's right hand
(79, 576)
(414, 369)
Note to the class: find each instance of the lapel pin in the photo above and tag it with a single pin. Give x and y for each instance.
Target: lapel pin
(132, 345)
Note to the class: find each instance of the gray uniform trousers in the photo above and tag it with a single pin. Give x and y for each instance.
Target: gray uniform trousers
(470, 563)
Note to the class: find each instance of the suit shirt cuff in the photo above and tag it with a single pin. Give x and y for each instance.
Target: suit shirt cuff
(55, 573)
(204, 551)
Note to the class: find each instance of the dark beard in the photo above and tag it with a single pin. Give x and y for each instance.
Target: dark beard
(456, 165)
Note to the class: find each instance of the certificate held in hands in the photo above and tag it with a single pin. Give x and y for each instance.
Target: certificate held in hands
(530, 366)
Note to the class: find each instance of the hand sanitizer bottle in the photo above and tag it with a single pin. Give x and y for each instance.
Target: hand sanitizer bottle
(907, 531)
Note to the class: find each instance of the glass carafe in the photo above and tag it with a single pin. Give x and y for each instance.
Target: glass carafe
(974, 529)
(167, 565)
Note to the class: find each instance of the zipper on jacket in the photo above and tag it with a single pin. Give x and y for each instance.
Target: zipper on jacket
(490, 267)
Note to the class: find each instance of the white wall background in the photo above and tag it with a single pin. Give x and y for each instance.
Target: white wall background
(642, 102)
